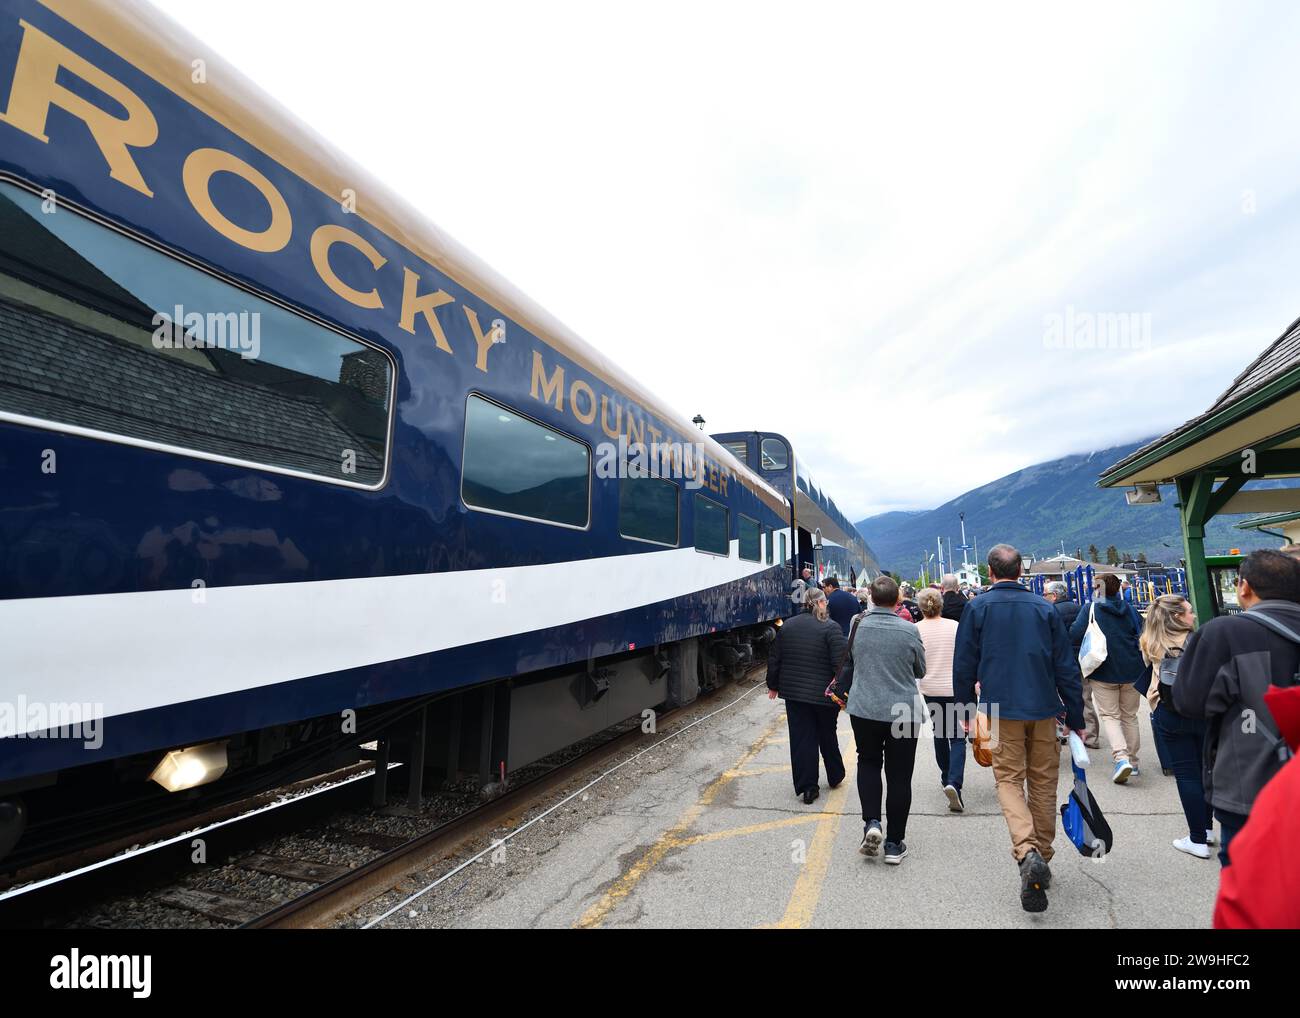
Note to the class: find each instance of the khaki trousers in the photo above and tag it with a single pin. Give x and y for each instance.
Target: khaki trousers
(1026, 753)
(1091, 728)
(1117, 706)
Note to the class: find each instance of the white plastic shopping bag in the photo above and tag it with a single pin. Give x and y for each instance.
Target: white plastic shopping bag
(1092, 651)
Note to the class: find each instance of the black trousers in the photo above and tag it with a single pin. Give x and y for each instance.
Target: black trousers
(812, 729)
(879, 742)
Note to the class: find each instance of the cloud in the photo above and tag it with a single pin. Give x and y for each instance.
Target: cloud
(848, 224)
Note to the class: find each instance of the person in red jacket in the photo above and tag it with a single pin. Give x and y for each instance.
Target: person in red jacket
(1261, 889)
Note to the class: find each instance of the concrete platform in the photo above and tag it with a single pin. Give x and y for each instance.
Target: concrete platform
(711, 835)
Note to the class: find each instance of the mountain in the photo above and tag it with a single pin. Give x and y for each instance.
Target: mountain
(1039, 507)
(882, 522)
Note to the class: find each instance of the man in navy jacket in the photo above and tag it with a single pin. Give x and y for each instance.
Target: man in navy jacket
(844, 607)
(1013, 643)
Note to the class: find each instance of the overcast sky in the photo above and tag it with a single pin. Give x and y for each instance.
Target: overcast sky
(863, 226)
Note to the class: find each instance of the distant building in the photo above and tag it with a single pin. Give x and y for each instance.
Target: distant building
(1056, 567)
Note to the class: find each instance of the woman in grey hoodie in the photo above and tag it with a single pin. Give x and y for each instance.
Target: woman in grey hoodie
(879, 675)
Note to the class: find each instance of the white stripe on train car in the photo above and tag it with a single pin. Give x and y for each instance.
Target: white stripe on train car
(137, 651)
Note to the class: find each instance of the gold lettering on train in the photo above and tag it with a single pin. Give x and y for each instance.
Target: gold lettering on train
(616, 430)
(485, 340)
(325, 238)
(35, 89)
(552, 388)
(637, 436)
(413, 303)
(579, 387)
(196, 175)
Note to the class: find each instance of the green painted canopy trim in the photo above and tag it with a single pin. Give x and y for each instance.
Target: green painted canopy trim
(1268, 520)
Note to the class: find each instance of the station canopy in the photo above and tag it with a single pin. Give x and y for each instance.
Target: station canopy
(1232, 458)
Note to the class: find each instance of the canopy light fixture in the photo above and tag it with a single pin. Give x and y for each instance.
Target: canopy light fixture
(1143, 494)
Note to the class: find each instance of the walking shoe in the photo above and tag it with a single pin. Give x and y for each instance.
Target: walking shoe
(811, 794)
(1092, 743)
(1033, 873)
(895, 852)
(836, 784)
(1137, 772)
(1123, 771)
(954, 798)
(1210, 839)
(1167, 771)
(872, 839)
(1186, 844)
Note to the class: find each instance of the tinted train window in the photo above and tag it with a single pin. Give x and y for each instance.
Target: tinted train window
(783, 553)
(774, 455)
(648, 509)
(518, 467)
(738, 449)
(711, 526)
(750, 541)
(102, 332)
(769, 539)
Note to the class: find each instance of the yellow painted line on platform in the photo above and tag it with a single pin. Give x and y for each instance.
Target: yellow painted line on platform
(670, 839)
(808, 887)
(753, 772)
(735, 832)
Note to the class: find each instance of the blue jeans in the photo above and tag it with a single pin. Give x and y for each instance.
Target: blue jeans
(1184, 741)
(1230, 825)
(949, 739)
(1162, 747)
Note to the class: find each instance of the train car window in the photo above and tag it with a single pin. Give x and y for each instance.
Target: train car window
(712, 526)
(517, 467)
(648, 509)
(121, 341)
(738, 449)
(775, 456)
(751, 548)
(783, 551)
(769, 541)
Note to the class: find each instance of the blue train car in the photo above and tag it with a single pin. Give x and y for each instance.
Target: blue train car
(824, 540)
(284, 470)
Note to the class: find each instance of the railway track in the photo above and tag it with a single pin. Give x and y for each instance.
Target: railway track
(255, 864)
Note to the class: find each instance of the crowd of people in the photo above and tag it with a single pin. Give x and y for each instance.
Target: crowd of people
(1026, 670)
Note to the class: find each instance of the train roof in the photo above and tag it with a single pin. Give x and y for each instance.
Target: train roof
(142, 35)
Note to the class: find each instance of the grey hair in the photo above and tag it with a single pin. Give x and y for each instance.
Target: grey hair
(949, 581)
(1058, 588)
(814, 595)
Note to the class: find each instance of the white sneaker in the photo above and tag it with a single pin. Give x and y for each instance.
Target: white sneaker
(1186, 844)
(1210, 839)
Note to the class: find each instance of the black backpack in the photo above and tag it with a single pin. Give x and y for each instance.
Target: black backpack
(1279, 744)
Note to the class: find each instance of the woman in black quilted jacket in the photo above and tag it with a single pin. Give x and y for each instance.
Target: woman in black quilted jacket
(801, 664)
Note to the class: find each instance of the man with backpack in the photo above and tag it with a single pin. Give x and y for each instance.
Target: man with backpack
(1228, 666)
